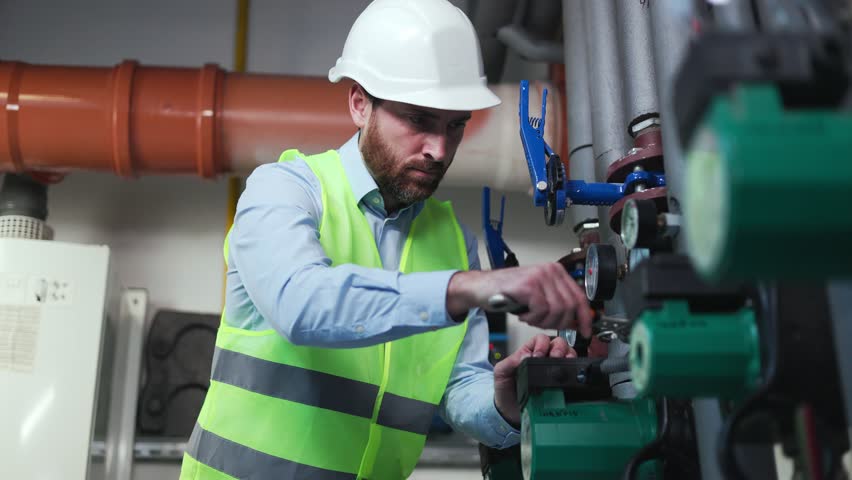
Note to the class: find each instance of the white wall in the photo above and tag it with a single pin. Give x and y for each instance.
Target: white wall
(166, 232)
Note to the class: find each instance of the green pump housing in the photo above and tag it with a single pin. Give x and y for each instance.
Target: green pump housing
(681, 354)
(586, 440)
(762, 182)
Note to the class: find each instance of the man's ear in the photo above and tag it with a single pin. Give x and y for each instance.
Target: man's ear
(360, 105)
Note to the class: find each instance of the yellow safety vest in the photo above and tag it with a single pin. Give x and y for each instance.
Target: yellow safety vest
(281, 411)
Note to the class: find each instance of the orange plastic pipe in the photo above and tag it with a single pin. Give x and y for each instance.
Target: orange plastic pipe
(134, 120)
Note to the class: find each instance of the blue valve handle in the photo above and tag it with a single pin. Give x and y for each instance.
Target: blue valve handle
(496, 248)
(494, 244)
(535, 148)
(539, 156)
(583, 193)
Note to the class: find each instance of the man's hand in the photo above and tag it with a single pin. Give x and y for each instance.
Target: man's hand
(505, 389)
(554, 299)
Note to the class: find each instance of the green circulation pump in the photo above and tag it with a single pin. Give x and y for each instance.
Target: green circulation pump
(587, 440)
(680, 354)
(762, 183)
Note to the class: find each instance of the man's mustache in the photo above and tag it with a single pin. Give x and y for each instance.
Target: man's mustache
(432, 168)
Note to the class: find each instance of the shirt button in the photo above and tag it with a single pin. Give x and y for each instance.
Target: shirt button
(424, 316)
(359, 329)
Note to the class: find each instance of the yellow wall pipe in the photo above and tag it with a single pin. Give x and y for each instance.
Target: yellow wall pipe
(235, 182)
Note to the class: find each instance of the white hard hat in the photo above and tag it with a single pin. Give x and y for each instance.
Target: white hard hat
(422, 52)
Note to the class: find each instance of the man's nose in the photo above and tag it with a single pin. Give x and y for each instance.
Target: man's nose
(435, 147)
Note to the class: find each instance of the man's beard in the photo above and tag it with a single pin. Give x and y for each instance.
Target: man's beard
(391, 176)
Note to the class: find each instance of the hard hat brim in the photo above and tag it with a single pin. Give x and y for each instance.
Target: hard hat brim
(459, 98)
(462, 98)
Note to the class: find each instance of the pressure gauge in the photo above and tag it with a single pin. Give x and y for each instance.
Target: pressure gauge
(601, 272)
(639, 223)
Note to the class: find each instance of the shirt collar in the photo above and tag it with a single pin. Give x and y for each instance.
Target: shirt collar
(360, 179)
(364, 187)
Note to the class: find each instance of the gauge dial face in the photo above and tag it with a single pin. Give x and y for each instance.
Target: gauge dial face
(591, 277)
(630, 224)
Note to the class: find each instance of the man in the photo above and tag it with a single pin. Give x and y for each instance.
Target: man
(353, 308)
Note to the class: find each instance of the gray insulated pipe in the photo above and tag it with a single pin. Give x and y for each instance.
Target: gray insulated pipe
(640, 84)
(609, 127)
(615, 365)
(23, 208)
(487, 17)
(531, 34)
(670, 20)
(581, 158)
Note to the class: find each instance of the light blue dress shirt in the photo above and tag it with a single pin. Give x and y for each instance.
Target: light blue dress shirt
(279, 277)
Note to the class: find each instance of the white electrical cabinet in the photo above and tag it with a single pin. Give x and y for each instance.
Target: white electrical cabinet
(54, 302)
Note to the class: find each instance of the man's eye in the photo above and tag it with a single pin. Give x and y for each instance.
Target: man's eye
(458, 125)
(416, 119)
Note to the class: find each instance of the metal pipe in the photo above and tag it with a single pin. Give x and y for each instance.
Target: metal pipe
(708, 422)
(606, 87)
(235, 182)
(135, 120)
(671, 26)
(840, 302)
(608, 121)
(487, 17)
(581, 159)
(543, 17)
(620, 382)
(615, 365)
(609, 127)
(640, 84)
(528, 47)
(241, 36)
(670, 20)
(734, 16)
(781, 16)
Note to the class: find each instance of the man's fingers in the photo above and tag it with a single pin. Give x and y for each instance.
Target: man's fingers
(506, 368)
(554, 305)
(559, 348)
(568, 299)
(571, 353)
(537, 309)
(541, 345)
(584, 311)
(537, 346)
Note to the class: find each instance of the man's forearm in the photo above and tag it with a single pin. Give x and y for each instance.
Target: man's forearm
(350, 306)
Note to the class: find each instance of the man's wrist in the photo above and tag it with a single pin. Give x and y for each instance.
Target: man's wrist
(460, 296)
(512, 423)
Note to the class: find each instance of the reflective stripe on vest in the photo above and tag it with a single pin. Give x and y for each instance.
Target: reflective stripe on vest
(278, 410)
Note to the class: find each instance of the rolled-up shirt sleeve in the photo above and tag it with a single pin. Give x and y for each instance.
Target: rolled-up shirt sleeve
(468, 402)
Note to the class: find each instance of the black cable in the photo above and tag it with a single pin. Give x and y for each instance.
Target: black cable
(652, 450)
(755, 12)
(726, 453)
(767, 310)
(835, 464)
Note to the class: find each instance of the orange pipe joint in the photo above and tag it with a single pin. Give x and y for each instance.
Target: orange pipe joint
(134, 120)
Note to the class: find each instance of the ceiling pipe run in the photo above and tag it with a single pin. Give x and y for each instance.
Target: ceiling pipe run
(137, 120)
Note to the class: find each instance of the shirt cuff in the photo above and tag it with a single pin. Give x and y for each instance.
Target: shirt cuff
(502, 429)
(426, 294)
